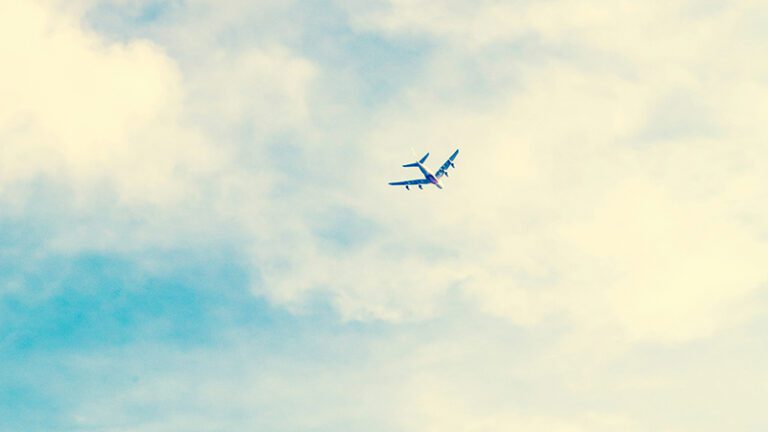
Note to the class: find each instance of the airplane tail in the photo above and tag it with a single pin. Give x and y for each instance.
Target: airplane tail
(415, 164)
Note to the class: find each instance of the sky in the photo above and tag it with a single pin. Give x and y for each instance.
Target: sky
(196, 231)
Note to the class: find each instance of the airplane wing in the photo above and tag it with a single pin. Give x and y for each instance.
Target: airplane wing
(410, 182)
(448, 164)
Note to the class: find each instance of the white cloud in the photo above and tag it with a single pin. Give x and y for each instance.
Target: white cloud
(102, 118)
(582, 188)
(450, 413)
(609, 190)
(592, 200)
(265, 89)
(91, 112)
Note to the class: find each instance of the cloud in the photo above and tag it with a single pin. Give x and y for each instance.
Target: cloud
(594, 188)
(89, 112)
(591, 204)
(264, 90)
(466, 374)
(121, 130)
(597, 257)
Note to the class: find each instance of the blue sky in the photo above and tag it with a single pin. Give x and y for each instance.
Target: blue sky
(197, 235)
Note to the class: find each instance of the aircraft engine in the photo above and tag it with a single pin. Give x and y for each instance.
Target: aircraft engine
(421, 187)
(452, 165)
(407, 187)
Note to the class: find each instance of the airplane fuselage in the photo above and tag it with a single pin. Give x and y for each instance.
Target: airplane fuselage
(429, 176)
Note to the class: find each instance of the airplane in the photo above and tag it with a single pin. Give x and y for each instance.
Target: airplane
(429, 178)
